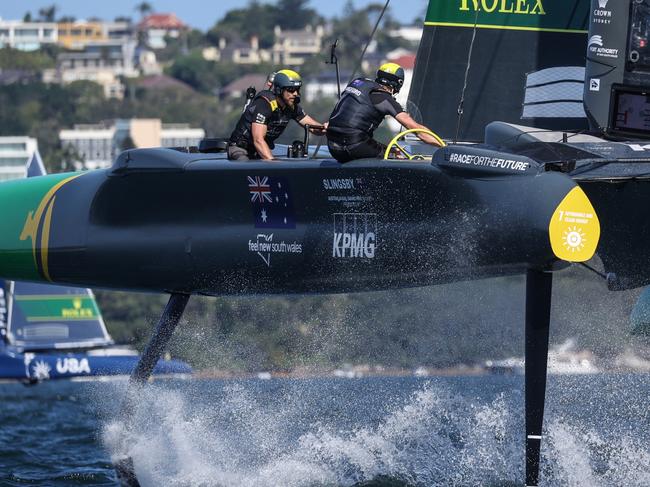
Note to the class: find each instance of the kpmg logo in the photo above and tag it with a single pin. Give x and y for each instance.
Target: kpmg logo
(355, 235)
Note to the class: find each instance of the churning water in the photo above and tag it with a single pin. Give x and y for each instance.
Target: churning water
(328, 432)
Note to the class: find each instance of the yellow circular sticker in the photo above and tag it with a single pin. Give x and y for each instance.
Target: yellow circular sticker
(574, 229)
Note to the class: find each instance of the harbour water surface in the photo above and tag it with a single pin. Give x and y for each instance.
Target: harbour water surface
(327, 432)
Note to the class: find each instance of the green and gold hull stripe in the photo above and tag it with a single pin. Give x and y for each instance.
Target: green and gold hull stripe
(40, 221)
(27, 210)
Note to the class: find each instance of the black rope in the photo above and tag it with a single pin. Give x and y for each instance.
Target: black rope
(363, 53)
(461, 103)
(318, 146)
(372, 35)
(597, 272)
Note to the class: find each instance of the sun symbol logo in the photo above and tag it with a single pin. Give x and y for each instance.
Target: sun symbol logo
(573, 239)
(41, 370)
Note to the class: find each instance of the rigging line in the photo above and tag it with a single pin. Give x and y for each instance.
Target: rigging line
(356, 68)
(461, 103)
(573, 13)
(595, 271)
(372, 35)
(335, 61)
(318, 146)
(574, 134)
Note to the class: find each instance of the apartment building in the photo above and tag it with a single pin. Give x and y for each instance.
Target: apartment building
(14, 154)
(103, 62)
(293, 47)
(99, 144)
(27, 36)
(75, 35)
(156, 27)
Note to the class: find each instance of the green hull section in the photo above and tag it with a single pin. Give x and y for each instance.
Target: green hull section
(26, 220)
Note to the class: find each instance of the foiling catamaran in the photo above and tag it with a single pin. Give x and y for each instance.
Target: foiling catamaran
(558, 173)
(57, 332)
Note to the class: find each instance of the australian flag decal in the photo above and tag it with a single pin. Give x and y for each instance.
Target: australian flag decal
(271, 201)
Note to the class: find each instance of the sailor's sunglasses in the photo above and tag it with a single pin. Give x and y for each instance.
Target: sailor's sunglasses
(293, 89)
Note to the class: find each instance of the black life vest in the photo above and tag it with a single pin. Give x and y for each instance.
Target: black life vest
(355, 116)
(243, 135)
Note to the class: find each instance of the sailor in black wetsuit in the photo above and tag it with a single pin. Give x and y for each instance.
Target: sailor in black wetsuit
(267, 116)
(361, 109)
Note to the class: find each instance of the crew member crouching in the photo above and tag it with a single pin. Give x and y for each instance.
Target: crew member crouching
(363, 106)
(267, 116)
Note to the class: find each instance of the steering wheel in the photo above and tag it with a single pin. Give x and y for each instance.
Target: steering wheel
(403, 150)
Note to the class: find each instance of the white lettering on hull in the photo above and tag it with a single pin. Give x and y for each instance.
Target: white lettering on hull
(71, 365)
(355, 236)
(495, 162)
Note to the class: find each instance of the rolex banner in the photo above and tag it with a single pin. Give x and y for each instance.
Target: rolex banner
(535, 15)
(526, 66)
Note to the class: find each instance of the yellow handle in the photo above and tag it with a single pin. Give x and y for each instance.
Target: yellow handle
(411, 131)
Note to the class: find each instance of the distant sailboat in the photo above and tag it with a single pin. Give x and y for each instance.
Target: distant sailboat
(55, 332)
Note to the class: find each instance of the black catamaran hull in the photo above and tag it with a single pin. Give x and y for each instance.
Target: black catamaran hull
(214, 227)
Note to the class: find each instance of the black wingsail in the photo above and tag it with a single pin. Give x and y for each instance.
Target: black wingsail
(526, 67)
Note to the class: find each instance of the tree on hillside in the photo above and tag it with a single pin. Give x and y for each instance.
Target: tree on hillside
(294, 14)
(176, 47)
(127, 143)
(208, 76)
(260, 19)
(29, 60)
(241, 24)
(48, 14)
(385, 42)
(353, 30)
(70, 159)
(144, 8)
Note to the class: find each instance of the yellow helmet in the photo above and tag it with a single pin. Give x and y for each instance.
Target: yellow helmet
(391, 74)
(286, 78)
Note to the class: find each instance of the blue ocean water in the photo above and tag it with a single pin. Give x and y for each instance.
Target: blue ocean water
(437, 431)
